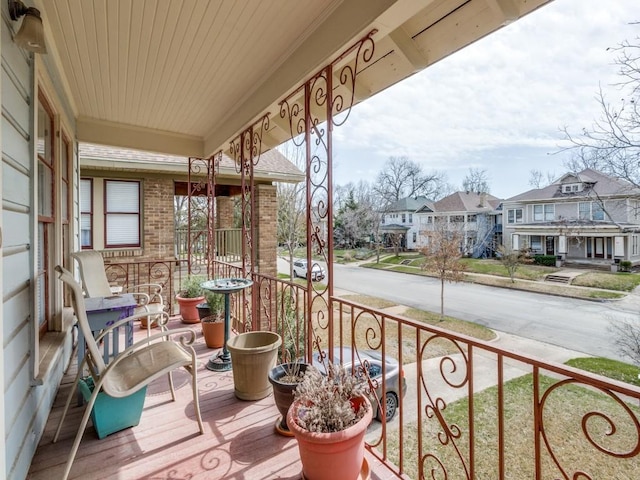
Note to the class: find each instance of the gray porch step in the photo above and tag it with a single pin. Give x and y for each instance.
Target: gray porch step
(566, 279)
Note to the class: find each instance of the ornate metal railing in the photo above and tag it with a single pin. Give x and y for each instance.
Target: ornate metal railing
(475, 411)
(167, 273)
(471, 410)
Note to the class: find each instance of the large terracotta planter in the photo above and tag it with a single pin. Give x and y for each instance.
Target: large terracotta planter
(328, 456)
(283, 393)
(188, 310)
(253, 354)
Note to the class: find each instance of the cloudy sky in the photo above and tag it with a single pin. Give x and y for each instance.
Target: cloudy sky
(498, 104)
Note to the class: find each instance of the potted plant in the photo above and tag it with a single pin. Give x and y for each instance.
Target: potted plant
(189, 296)
(329, 418)
(212, 319)
(284, 379)
(289, 371)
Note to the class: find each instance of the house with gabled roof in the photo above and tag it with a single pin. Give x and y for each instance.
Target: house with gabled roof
(476, 215)
(585, 217)
(397, 224)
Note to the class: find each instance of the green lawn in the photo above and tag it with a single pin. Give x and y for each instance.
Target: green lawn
(624, 282)
(477, 265)
(563, 412)
(494, 267)
(613, 369)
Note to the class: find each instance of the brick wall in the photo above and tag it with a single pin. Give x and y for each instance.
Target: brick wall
(224, 212)
(159, 227)
(266, 239)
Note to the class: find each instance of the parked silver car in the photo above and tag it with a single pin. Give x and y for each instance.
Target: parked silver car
(301, 269)
(395, 383)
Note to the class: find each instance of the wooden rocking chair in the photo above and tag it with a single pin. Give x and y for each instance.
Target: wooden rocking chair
(132, 369)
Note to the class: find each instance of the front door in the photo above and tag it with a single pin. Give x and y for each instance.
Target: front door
(550, 244)
(599, 247)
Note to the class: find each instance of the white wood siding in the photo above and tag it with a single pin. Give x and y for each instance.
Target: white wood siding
(17, 248)
(27, 398)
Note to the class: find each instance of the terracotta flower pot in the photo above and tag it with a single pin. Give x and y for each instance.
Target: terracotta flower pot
(213, 331)
(283, 393)
(188, 309)
(343, 450)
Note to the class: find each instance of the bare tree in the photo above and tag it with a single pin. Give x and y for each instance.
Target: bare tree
(443, 254)
(401, 177)
(357, 215)
(627, 338)
(538, 179)
(612, 143)
(512, 259)
(476, 181)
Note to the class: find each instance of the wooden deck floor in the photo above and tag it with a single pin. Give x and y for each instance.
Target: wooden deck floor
(239, 440)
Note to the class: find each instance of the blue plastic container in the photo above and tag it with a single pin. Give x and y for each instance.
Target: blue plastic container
(112, 414)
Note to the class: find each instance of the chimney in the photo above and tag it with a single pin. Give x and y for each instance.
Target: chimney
(483, 200)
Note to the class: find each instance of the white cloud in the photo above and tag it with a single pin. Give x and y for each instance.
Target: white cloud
(498, 104)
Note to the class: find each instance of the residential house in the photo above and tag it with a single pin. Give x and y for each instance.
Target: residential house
(398, 224)
(581, 217)
(147, 182)
(477, 216)
(192, 79)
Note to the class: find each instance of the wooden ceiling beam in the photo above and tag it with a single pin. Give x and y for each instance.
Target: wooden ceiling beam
(507, 9)
(407, 48)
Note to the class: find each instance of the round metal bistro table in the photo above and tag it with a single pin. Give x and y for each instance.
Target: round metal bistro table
(225, 286)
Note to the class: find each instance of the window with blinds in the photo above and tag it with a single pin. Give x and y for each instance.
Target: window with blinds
(122, 213)
(86, 213)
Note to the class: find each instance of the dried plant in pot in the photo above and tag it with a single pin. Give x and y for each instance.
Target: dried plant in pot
(329, 418)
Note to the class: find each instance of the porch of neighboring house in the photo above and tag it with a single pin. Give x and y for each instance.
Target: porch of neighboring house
(598, 249)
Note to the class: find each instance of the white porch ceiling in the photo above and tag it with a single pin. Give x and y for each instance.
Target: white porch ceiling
(184, 77)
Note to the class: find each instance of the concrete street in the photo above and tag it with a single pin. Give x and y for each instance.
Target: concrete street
(578, 325)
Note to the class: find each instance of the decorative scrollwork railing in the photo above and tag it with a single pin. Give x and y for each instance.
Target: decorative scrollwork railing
(476, 411)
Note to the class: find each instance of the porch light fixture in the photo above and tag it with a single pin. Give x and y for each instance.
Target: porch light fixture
(31, 33)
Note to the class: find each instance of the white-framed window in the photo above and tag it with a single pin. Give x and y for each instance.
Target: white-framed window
(590, 211)
(634, 245)
(430, 219)
(404, 218)
(514, 215)
(535, 242)
(572, 188)
(122, 213)
(544, 212)
(86, 213)
(46, 213)
(415, 237)
(471, 218)
(411, 218)
(456, 218)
